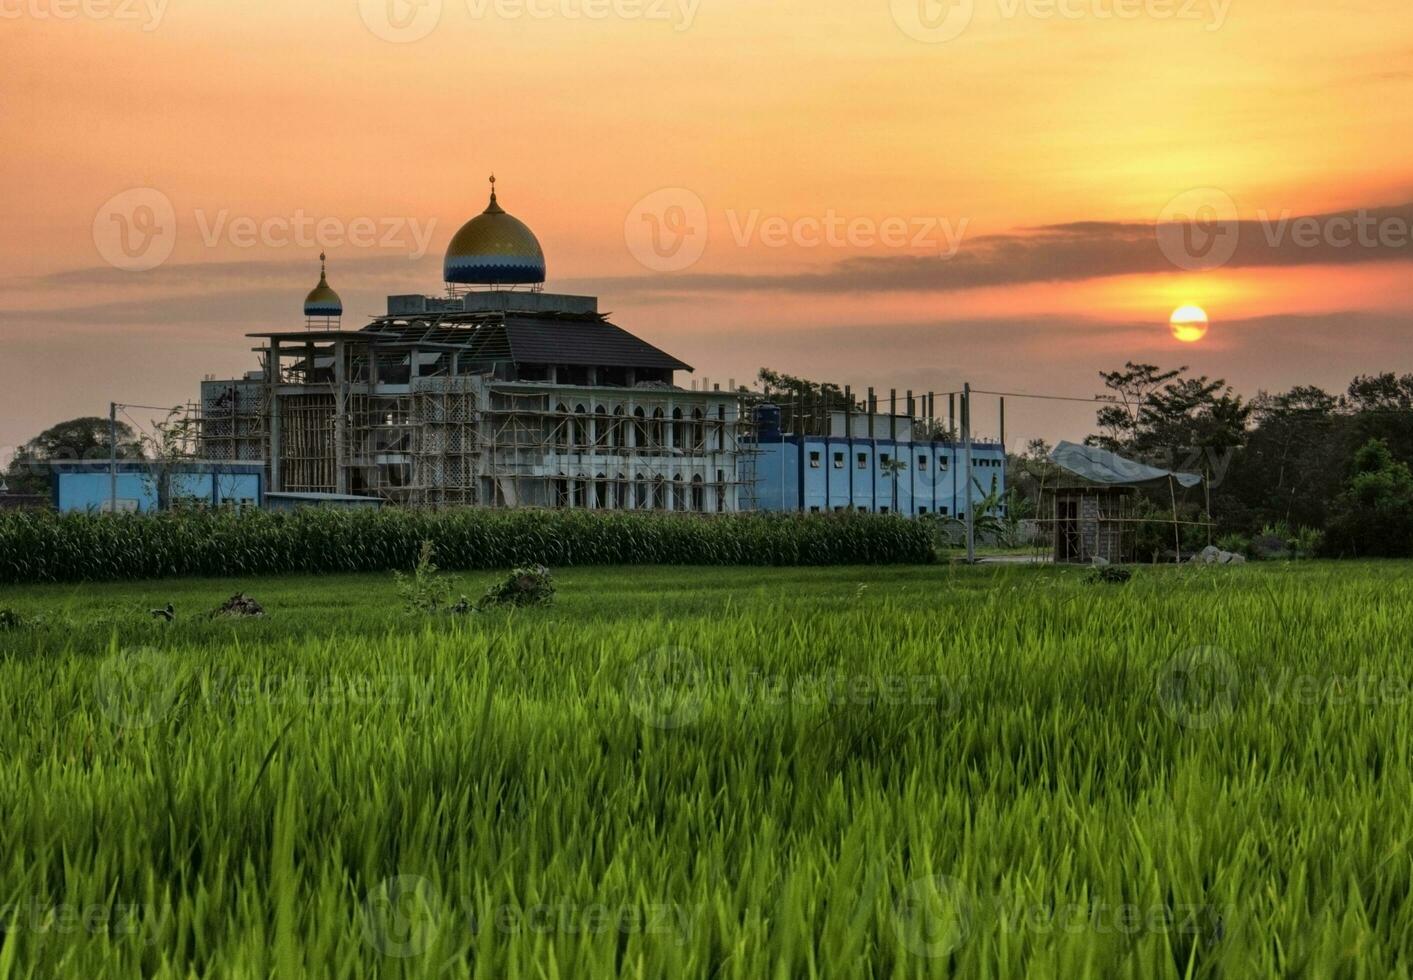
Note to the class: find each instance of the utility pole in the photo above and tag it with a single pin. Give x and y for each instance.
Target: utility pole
(112, 457)
(966, 488)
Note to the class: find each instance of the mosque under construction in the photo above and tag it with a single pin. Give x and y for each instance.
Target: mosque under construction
(495, 393)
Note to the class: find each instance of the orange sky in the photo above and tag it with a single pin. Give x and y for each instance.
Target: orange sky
(784, 114)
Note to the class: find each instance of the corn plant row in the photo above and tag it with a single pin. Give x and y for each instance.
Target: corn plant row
(45, 547)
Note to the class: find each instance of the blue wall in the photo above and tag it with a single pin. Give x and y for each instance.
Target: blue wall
(88, 488)
(815, 474)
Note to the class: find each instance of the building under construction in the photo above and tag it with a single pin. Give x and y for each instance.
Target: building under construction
(495, 394)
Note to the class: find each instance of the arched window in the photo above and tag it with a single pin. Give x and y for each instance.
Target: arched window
(657, 437)
(679, 430)
(698, 494)
(640, 429)
(618, 436)
(563, 427)
(621, 491)
(641, 493)
(581, 427)
(659, 494)
(698, 440)
(602, 429)
(679, 493)
(601, 491)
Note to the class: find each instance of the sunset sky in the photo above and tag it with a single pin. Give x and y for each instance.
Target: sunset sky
(994, 171)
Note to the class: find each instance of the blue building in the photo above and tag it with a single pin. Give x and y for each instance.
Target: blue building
(88, 486)
(871, 463)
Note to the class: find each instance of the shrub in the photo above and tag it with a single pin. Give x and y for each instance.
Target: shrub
(1374, 515)
(1109, 575)
(523, 587)
(425, 590)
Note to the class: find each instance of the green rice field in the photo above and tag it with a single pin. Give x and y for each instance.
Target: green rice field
(996, 772)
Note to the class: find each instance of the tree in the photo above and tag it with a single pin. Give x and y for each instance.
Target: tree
(1131, 390)
(893, 468)
(82, 439)
(1374, 515)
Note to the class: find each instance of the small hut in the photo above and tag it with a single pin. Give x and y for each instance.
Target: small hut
(1094, 522)
(1094, 515)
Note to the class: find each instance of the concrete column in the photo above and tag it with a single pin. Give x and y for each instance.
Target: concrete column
(272, 384)
(341, 407)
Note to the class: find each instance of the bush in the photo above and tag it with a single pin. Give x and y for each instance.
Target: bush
(49, 547)
(524, 587)
(425, 590)
(1374, 515)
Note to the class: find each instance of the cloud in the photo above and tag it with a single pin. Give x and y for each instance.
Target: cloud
(1078, 251)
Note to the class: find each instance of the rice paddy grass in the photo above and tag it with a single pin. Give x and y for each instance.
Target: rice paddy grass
(843, 772)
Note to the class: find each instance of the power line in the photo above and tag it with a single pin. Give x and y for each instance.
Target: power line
(1095, 399)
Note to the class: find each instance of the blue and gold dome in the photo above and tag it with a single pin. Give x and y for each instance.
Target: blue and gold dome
(322, 301)
(494, 249)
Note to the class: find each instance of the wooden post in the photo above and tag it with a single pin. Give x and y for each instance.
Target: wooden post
(1177, 531)
(966, 487)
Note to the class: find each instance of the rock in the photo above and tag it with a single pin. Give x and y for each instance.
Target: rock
(1212, 555)
(1209, 555)
(1100, 561)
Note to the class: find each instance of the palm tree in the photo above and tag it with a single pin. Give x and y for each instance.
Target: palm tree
(893, 467)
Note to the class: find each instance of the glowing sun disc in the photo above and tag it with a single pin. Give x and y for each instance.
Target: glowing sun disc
(1189, 324)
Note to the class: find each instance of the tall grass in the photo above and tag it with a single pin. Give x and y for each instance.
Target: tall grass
(48, 547)
(939, 775)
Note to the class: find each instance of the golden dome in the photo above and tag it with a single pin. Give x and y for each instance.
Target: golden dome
(322, 300)
(494, 248)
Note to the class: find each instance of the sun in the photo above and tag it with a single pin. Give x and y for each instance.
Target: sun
(1189, 324)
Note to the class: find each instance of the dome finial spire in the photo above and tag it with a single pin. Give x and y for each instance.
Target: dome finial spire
(493, 188)
(322, 306)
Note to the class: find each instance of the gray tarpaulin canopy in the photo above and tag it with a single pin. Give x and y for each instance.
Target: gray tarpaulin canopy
(1101, 466)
